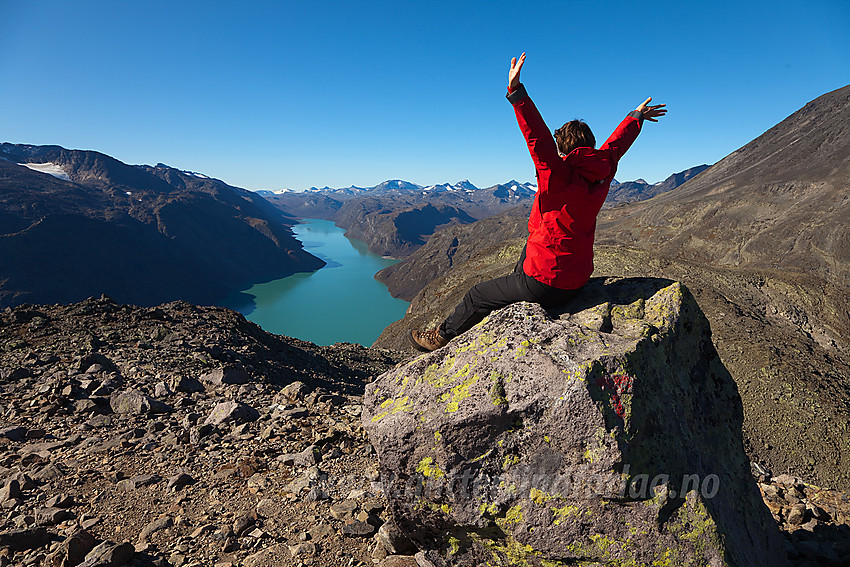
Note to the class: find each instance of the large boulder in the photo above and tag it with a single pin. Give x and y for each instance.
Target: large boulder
(609, 435)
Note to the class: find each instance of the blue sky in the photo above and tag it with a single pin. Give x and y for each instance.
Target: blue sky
(271, 95)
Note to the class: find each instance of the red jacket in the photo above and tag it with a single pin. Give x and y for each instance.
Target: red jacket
(570, 193)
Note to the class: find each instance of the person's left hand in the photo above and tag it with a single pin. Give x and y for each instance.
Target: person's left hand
(651, 112)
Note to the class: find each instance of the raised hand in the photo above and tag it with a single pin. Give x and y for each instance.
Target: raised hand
(513, 74)
(651, 113)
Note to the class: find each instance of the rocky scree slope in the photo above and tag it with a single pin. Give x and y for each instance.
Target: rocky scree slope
(141, 234)
(609, 435)
(180, 435)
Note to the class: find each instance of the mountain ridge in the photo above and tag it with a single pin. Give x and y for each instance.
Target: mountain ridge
(142, 234)
(372, 214)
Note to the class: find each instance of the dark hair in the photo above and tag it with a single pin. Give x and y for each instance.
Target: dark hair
(574, 134)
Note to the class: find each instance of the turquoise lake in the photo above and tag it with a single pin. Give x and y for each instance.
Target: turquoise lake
(341, 302)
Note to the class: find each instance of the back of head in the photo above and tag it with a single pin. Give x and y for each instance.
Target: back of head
(574, 134)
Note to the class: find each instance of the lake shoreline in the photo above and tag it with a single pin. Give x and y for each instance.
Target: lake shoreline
(340, 302)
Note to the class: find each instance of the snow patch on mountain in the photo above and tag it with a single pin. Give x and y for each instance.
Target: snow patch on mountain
(195, 174)
(49, 168)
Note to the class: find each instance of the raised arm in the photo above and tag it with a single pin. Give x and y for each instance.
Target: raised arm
(540, 142)
(624, 136)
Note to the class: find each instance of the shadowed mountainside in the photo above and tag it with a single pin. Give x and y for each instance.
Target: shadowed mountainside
(140, 234)
(780, 202)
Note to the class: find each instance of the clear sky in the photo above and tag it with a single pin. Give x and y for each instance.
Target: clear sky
(272, 95)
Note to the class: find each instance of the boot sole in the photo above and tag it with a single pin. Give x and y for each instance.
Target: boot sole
(415, 344)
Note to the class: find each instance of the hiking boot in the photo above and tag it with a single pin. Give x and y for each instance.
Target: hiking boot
(426, 341)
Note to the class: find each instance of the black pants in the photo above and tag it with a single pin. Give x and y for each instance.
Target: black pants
(494, 294)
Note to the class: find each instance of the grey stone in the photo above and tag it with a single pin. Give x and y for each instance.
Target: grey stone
(11, 490)
(134, 402)
(232, 411)
(51, 516)
(320, 531)
(48, 473)
(86, 405)
(307, 549)
(159, 524)
(272, 556)
(343, 510)
(178, 481)
(43, 449)
(13, 433)
(358, 529)
(24, 539)
(73, 550)
(227, 375)
(393, 540)
(109, 554)
(186, 384)
(60, 501)
(564, 441)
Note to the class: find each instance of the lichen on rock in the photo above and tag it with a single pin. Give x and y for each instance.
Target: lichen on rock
(608, 433)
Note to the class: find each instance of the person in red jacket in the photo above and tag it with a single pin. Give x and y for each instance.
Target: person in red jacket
(573, 180)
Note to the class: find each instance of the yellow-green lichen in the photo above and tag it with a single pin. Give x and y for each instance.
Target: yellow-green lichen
(479, 457)
(394, 406)
(498, 395)
(460, 392)
(490, 509)
(510, 460)
(540, 497)
(512, 516)
(427, 467)
(561, 514)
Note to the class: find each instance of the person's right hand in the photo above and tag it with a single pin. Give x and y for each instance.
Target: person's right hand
(513, 74)
(651, 113)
